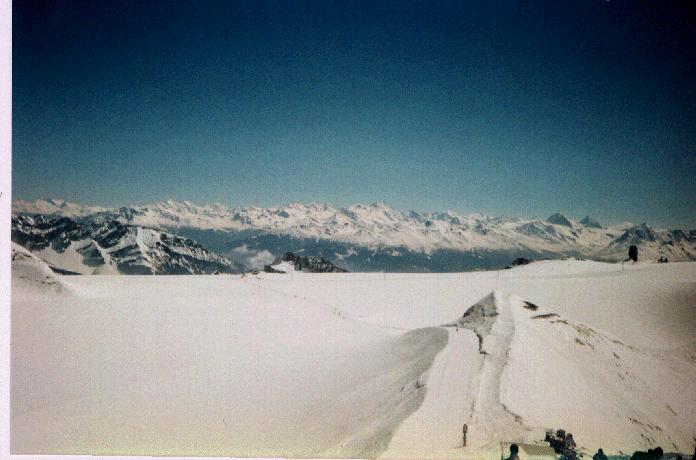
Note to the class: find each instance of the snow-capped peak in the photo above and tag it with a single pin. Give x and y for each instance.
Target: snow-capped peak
(375, 226)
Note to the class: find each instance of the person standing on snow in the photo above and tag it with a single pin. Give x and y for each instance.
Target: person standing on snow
(633, 253)
(514, 449)
(464, 430)
(599, 455)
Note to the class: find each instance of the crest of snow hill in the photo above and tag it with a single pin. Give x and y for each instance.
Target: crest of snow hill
(184, 238)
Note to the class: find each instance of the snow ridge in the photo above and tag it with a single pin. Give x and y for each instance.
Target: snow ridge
(492, 421)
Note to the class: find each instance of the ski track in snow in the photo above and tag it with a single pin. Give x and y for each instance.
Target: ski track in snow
(435, 430)
(490, 418)
(427, 433)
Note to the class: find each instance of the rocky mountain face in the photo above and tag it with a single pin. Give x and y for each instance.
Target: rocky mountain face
(112, 247)
(379, 238)
(312, 264)
(589, 222)
(559, 219)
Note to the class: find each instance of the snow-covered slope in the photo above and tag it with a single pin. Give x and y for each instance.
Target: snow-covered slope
(378, 237)
(206, 365)
(32, 275)
(535, 367)
(112, 247)
(357, 364)
(647, 394)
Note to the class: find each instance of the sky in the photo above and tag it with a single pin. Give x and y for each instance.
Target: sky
(507, 107)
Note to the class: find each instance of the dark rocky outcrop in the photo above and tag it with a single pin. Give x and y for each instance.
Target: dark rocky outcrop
(312, 264)
(519, 261)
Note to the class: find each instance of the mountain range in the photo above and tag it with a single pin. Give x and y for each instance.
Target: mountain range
(360, 237)
(112, 247)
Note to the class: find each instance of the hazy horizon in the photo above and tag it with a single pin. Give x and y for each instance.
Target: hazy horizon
(575, 217)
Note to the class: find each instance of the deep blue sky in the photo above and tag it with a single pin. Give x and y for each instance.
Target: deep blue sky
(502, 107)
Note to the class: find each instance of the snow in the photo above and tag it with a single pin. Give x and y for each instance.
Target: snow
(32, 278)
(126, 364)
(354, 365)
(435, 430)
(600, 379)
(70, 259)
(285, 266)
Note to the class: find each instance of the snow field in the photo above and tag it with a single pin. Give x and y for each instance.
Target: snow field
(206, 366)
(354, 365)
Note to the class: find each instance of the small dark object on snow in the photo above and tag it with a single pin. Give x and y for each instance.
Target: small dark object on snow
(464, 430)
(514, 449)
(599, 455)
(662, 260)
(530, 306)
(651, 454)
(562, 443)
(633, 253)
(520, 261)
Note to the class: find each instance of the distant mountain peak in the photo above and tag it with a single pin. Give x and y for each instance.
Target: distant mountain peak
(559, 219)
(590, 222)
(638, 234)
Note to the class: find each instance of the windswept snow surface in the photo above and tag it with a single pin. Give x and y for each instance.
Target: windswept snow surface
(356, 365)
(210, 365)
